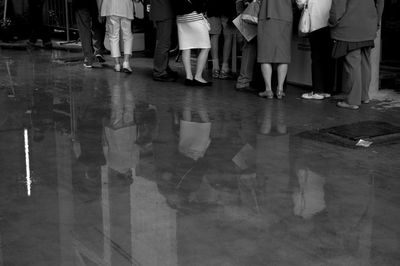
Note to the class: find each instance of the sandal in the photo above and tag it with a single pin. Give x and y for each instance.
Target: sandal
(225, 75)
(280, 95)
(266, 94)
(215, 73)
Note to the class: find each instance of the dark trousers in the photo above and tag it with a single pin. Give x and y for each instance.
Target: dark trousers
(163, 45)
(357, 75)
(91, 32)
(36, 20)
(249, 56)
(322, 63)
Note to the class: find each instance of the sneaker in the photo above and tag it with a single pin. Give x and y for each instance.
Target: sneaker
(312, 96)
(87, 63)
(117, 68)
(100, 58)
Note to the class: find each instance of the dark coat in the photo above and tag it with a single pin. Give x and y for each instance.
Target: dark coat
(85, 4)
(161, 10)
(355, 20)
(182, 7)
(218, 8)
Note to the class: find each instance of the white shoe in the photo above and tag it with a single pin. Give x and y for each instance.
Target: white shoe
(312, 96)
(117, 68)
(325, 95)
(126, 68)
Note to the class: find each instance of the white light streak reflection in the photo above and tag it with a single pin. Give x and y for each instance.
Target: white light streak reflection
(27, 163)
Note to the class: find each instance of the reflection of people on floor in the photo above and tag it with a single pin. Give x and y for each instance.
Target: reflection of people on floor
(90, 112)
(309, 198)
(272, 120)
(121, 150)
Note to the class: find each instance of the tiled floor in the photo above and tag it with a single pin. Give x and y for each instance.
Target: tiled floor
(219, 177)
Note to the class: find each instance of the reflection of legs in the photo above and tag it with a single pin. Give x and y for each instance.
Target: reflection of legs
(187, 64)
(201, 62)
(266, 121)
(116, 106)
(282, 71)
(129, 105)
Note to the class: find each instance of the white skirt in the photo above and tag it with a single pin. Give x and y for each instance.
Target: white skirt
(193, 35)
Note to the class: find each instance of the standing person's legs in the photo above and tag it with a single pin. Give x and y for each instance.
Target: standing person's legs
(163, 44)
(215, 33)
(128, 42)
(282, 72)
(201, 62)
(35, 10)
(266, 70)
(228, 31)
(317, 60)
(365, 73)
(187, 64)
(249, 55)
(352, 77)
(83, 20)
(99, 31)
(113, 23)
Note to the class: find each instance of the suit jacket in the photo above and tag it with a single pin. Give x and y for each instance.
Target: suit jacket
(161, 10)
(276, 9)
(355, 20)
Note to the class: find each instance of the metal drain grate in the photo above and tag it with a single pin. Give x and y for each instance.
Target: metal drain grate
(347, 135)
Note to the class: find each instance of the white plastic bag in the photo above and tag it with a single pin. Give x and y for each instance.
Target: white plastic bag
(305, 21)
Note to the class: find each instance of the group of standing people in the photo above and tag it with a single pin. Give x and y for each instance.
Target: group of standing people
(343, 29)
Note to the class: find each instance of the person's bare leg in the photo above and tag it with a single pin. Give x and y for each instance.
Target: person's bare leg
(201, 62)
(226, 52)
(282, 72)
(186, 63)
(266, 70)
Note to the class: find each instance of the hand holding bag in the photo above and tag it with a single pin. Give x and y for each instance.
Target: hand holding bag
(250, 14)
(305, 21)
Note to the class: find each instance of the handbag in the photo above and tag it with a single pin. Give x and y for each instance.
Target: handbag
(250, 14)
(305, 21)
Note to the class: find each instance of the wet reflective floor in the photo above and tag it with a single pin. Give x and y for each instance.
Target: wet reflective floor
(103, 168)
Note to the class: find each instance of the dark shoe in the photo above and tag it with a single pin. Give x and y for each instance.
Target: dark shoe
(225, 75)
(172, 73)
(189, 82)
(165, 78)
(347, 106)
(216, 73)
(195, 82)
(100, 58)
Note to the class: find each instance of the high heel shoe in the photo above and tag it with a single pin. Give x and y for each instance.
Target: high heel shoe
(280, 94)
(266, 94)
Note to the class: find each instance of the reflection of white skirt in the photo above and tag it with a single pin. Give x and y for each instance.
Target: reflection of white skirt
(193, 35)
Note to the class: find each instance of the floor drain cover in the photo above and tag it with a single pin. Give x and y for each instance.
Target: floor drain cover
(347, 135)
